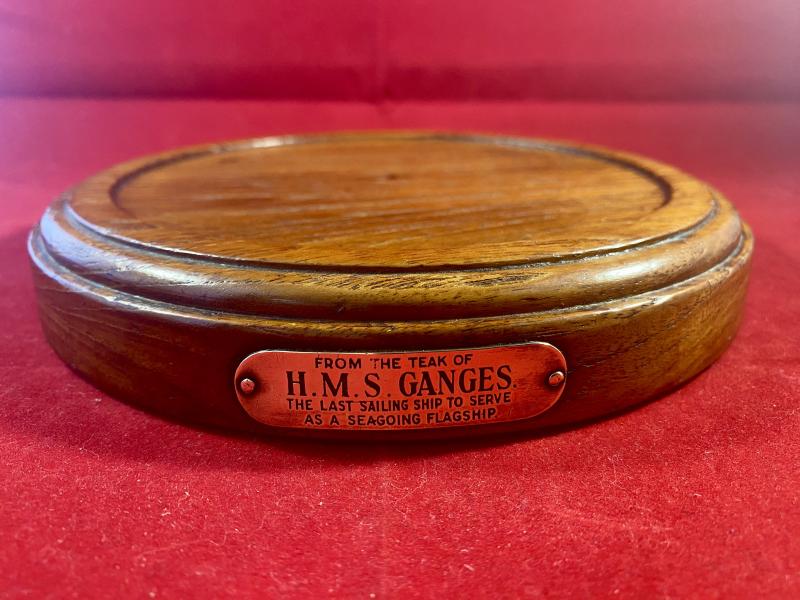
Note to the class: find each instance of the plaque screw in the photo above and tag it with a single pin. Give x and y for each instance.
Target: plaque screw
(247, 385)
(556, 378)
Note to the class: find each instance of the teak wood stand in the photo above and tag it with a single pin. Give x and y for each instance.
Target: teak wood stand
(339, 285)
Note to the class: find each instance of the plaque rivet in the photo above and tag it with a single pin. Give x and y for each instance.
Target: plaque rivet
(556, 378)
(247, 385)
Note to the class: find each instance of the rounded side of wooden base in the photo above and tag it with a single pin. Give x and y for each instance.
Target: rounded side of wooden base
(179, 361)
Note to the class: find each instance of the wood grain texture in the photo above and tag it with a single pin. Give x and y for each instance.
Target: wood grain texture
(158, 276)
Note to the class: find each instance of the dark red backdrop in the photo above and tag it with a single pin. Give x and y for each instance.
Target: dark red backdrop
(693, 495)
(404, 49)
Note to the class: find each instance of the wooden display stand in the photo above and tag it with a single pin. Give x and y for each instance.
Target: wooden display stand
(201, 283)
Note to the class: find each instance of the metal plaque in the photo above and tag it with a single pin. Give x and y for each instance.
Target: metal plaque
(400, 390)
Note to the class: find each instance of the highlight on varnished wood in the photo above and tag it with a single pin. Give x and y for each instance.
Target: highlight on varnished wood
(157, 277)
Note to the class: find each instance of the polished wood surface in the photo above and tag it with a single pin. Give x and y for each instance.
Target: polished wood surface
(399, 202)
(158, 276)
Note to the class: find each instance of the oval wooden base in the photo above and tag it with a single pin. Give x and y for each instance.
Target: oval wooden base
(638, 339)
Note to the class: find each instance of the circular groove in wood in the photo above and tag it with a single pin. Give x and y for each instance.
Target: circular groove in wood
(520, 225)
(78, 222)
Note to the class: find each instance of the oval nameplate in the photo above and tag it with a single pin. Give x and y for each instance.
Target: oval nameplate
(400, 390)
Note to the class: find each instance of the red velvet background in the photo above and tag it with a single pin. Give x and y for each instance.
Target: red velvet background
(695, 495)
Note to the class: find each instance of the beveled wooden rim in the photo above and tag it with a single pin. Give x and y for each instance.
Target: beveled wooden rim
(436, 327)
